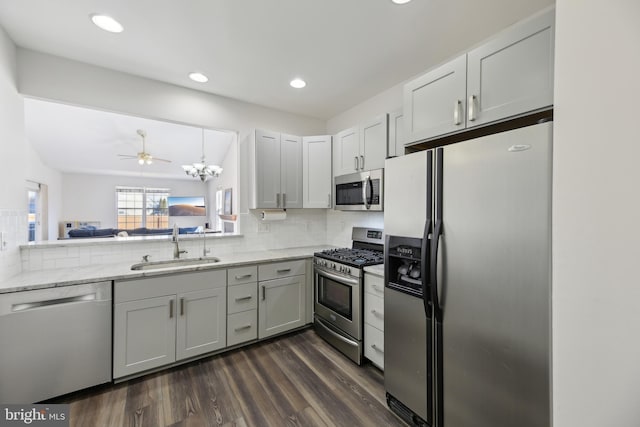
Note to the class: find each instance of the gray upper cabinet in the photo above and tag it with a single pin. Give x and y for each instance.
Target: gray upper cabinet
(512, 73)
(267, 160)
(316, 167)
(346, 152)
(373, 143)
(272, 164)
(397, 137)
(290, 171)
(434, 103)
(507, 76)
(361, 148)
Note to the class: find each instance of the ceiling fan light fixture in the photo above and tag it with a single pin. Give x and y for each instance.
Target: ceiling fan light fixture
(107, 23)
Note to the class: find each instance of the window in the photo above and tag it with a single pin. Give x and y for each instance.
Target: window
(142, 207)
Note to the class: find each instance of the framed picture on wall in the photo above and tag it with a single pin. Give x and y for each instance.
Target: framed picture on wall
(227, 201)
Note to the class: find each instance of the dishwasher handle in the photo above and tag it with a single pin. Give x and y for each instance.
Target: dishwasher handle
(46, 303)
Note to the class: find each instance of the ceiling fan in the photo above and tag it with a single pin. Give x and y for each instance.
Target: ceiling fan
(143, 157)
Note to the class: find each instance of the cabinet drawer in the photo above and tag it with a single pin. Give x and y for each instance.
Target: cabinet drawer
(374, 311)
(242, 327)
(281, 269)
(374, 284)
(374, 345)
(236, 276)
(242, 297)
(149, 287)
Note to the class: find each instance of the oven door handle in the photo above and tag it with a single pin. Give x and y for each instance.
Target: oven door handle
(338, 278)
(335, 334)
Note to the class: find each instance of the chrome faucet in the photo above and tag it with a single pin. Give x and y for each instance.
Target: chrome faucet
(174, 239)
(205, 251)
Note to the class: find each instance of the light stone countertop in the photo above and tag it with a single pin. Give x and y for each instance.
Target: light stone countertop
(97, 273)
(377, 269)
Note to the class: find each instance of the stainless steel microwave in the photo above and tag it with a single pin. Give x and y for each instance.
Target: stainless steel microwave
(361, 191)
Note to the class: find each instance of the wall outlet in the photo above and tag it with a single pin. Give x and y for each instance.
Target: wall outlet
(264, 227)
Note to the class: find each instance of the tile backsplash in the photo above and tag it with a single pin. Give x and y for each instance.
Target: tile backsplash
(13, 233)
(302, 227)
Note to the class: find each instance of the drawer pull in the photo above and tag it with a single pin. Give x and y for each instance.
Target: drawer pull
(377, 313)
(376, 348)
(244, 298)
(377, 288)
(244, 276)
(283, 270)
(181, 306)
(240, 328)
(171, 309)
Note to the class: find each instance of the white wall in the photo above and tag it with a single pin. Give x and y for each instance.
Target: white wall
(596, 215)
(92, 197)
(13, 199)
(87, 85)
(228, 179)
(37, 171)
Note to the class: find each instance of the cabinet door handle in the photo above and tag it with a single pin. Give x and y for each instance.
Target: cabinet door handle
(239, 328)
(244, 276)
(456, 112)
(243, 298)
(277, 200)
(377, 313)
(328, 200)
(171, 309)
(362, 165)
(283, 270)
(263, 293)
(376, 348)
(181, 306)
(284, 200)
(356, 162)
(472, 108)
(377, 288)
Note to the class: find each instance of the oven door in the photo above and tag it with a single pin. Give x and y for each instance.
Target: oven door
(338, 301)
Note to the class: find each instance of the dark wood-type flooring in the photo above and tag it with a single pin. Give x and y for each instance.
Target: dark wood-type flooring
(294, 380)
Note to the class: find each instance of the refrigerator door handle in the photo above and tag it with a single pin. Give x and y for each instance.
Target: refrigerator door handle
(435, 298)
(426, 297)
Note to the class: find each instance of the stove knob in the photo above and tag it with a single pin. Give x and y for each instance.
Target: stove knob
(348, 270)
(333, 265)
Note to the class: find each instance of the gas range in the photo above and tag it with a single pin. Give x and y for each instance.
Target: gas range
(339, 290)
(348, 261)
(367, 249)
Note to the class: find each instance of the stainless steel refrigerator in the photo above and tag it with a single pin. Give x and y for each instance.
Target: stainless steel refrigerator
(468, 282)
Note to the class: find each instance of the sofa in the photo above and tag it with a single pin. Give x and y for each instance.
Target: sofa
(111, 232)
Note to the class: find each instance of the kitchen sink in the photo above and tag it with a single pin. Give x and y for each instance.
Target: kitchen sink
(174, 263)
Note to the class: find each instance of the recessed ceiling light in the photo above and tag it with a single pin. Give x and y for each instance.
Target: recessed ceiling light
(107, 23)
(198, 77)
(400, 1)
(298, 83)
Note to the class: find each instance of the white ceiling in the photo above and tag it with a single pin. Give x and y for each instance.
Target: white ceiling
(82, 140)
(346, 50)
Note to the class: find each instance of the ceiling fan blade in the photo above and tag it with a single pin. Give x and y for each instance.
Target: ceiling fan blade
(127, 156)
(161, 160)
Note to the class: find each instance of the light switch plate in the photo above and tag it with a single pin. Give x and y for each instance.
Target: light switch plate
(264, 227)
(3, 244)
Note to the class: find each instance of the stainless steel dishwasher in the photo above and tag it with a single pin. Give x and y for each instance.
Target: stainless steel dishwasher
(54, 341)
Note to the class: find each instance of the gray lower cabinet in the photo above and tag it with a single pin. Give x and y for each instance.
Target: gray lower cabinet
(242, 305)
(374, 319)
(282, 297)
(161, 320)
